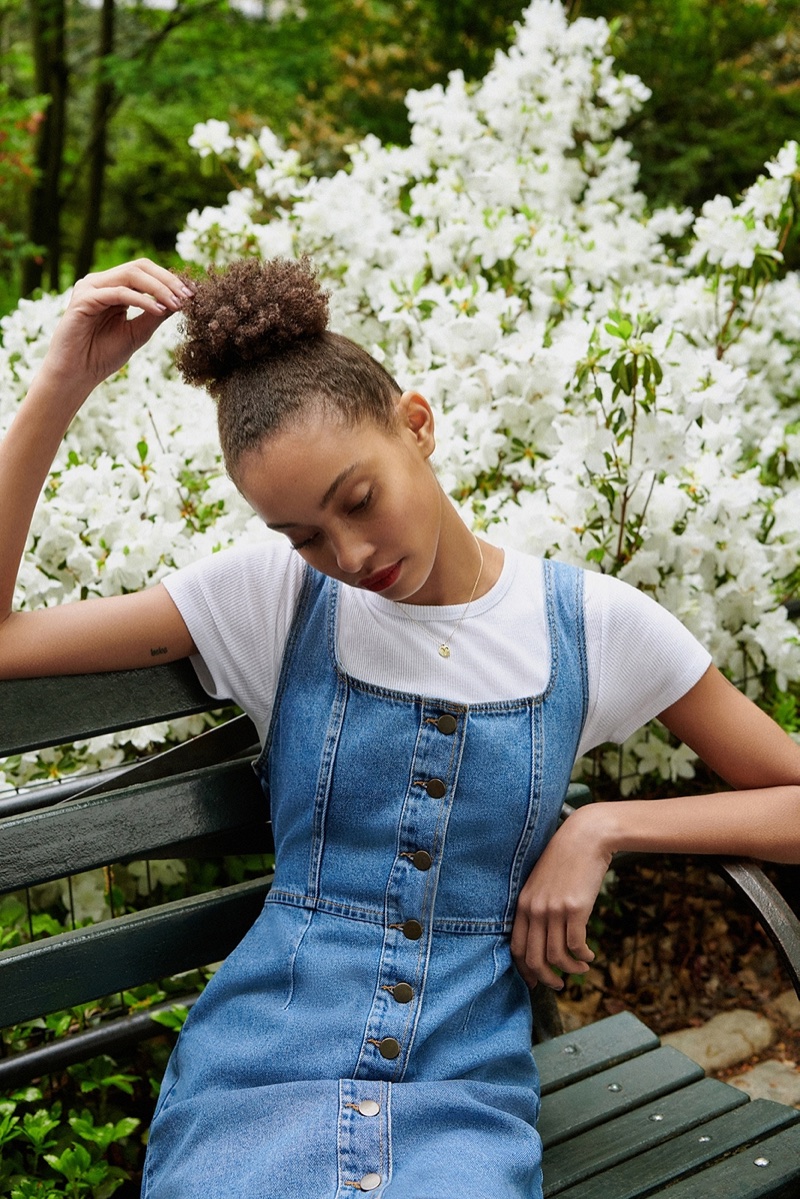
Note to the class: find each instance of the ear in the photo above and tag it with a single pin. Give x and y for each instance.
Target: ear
(415, 415)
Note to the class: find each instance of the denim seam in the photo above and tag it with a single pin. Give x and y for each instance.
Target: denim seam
(332, 907)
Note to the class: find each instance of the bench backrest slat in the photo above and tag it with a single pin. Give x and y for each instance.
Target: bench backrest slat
(52, 711)
(82, 965)
(129, 823)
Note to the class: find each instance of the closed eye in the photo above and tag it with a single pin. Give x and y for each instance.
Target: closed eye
(362, 504)
(301, 545)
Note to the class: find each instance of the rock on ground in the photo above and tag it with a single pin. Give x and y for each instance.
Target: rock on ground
(771, 1080)
(724, 1040)
(788, 1007)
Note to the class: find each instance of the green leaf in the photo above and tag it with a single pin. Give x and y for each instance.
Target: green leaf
(174, 1019)
(621, 375)
(74, 1163)
(36, 1127)
(9, 1129)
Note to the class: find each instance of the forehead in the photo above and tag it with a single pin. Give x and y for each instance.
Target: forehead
(299, 471)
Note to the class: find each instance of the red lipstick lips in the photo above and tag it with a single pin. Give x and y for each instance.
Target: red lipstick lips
(381, 580)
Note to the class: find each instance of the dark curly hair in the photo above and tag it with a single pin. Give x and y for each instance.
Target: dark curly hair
(256, 338)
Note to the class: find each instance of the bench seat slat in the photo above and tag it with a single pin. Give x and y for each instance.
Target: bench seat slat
(575, 1055)
(78, 966)
(603, 1096)
(600, 1148)
(740, 1177)
(650, 1172)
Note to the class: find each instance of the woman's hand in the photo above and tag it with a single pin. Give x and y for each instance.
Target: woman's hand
(555, 903)
(95, 337)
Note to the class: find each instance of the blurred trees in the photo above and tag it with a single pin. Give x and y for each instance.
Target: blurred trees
(98, 98)
(725, 77)
(68, 54)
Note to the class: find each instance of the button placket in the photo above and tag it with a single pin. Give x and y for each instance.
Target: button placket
(389, 1030)
(363, 1137)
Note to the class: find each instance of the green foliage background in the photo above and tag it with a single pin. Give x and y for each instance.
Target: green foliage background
(725, 76)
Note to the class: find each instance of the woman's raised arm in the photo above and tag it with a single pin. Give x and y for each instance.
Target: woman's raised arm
(93, 340)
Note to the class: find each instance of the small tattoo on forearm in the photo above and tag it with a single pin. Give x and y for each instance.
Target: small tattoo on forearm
(162, 649)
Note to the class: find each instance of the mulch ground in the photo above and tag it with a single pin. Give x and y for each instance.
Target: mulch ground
(676, 946)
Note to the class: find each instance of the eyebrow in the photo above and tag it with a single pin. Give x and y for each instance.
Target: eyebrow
(342, 476)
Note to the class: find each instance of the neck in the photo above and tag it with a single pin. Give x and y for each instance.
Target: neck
(459, 575)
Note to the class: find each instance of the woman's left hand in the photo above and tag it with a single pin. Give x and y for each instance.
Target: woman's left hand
(556, 902)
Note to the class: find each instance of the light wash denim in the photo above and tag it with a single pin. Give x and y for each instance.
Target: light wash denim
(278, 1087)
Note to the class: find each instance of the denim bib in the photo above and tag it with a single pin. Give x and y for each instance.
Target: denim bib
(371, 1033)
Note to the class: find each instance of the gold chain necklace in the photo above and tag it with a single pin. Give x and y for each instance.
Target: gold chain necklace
(444, 646)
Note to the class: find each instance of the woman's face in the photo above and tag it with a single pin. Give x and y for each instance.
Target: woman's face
(360, 504)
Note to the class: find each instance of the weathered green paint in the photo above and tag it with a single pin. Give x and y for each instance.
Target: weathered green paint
(649, 1173)
(768, 1169)
(576, 1055)
(584, 1156)
(601, 1097)
(53, 711)
(82, 834)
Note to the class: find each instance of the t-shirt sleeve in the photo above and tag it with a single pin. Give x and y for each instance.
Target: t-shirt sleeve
(238, 606)
(641, 659)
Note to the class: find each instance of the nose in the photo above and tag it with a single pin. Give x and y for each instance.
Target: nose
(351, 553)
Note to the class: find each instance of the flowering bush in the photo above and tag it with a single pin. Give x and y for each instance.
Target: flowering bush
(605, 394)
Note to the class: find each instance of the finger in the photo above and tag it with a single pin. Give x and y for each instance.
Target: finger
(531, 958)
(577, 944)
(566, 945)
(142, 277)
(159, 282)
(126, 297)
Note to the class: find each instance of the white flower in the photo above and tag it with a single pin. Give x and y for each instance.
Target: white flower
(724, 235)
(786, 162)
(211, 137)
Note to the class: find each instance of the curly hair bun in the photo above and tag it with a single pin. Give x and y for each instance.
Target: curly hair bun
(249, 311)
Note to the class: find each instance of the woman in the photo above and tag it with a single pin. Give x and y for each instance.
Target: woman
(419, 723)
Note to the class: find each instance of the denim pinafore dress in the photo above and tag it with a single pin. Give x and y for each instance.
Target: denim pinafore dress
(371, 1033)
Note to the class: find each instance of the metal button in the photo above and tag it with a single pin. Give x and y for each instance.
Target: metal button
(402, 992)
(370, 1182)
(368, 1107)
(422, 859)
(412, 929)
(447, 724)
(389, 1048)
(435, 788)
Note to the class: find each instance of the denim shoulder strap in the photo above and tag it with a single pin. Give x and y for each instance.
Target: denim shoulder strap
(311, 605)
(564, 598)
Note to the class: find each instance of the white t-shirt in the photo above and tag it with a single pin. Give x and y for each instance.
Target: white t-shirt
(238, 606)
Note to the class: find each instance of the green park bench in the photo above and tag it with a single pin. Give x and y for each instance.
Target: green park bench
(621, 1117)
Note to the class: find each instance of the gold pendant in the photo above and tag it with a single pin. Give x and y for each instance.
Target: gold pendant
(444, 651)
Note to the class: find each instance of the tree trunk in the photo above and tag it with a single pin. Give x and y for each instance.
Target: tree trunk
(48, 36)
(102, 108)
